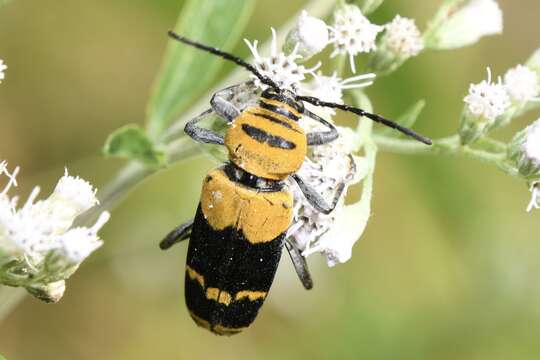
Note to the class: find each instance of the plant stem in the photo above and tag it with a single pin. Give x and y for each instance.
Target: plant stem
(493, 151)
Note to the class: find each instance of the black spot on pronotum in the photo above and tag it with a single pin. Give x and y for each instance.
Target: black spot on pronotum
(274, 120)
(265, 138)
(280, 110)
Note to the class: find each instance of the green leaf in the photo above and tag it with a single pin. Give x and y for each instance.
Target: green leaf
(407, 119)
(131, 142)
(186, 72)
(2, 358)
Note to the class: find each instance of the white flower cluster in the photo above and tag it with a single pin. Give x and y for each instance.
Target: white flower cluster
(403, 37)
(487, 100)
(281, 68)
(3, 68)
(38, 239)
(352, 33)
(328, 167)
(309, 37)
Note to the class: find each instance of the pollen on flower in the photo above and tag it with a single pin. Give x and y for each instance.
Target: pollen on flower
(352, 33)
(487, 100)
(3, 68)
(281, 68)
(403, 37)
(522, 84)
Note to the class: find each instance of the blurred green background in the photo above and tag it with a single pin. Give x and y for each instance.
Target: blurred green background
(448, 267)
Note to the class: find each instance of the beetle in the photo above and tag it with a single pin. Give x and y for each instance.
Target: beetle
(239, 230)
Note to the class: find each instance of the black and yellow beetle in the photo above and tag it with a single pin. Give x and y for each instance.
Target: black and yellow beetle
(240, 227)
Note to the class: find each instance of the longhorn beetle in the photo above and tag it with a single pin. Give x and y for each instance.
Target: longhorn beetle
(245, 210)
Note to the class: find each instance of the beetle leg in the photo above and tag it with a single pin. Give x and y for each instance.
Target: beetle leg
(300, 265)
(320, 137)
(223, 107)
(182, 232)
(200, 134)
(315, 199)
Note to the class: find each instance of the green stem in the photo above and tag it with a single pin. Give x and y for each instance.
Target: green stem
(493, 151)
(444, 146)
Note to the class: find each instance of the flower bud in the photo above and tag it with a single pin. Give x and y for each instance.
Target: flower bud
(49, 293)
(463, 23)
(524, 151)
(310, 36)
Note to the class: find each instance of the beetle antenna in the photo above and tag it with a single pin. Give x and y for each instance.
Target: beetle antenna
(238, 61)
(377, 118)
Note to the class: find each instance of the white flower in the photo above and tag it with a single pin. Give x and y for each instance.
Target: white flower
(522, 84)
(74, 193)
(3, 67)
(37, 228)
(468, 23)
(330, 89)
(77, 244)
(403, 37)
(310, 35)
(281, 68)
(487, 100)
(352, 33)
(328, 166)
